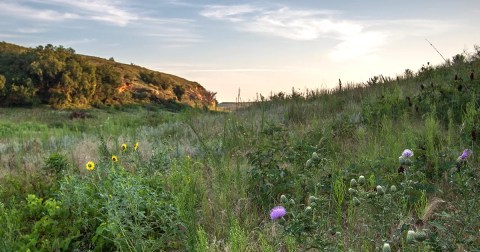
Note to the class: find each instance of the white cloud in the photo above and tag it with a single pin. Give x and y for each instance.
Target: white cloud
(354, 38)
(16, 10)
(232, 13)
(103, 10)
(300, 25)
(362, 45)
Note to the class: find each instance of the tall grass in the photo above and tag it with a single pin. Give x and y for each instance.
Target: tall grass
(205, 181)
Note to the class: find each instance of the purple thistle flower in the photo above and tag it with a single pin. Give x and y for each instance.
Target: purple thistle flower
(277, 212)
(465, 154)
(407, 153)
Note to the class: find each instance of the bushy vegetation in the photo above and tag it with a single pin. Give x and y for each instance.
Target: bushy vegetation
(59, 77)
(386, 165)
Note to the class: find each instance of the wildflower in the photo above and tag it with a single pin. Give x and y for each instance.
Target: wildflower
(114, 158)
(135, 147)
(315, 156)
(277, 212)
(90, 166)
(124, 147)
(386, 247)
(465, 154)
(404, 159)
(407, 153)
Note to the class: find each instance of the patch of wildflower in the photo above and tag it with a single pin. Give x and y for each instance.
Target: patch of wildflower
(135, 147)
(114, 158)
(124, 147)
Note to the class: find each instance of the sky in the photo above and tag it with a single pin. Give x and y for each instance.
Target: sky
(247, 48)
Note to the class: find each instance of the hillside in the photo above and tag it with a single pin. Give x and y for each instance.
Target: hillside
(59, 77)
(390, 164)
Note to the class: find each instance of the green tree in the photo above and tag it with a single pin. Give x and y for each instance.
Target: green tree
(179, 91)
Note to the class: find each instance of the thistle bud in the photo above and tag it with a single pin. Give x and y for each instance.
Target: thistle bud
(356, 201)
(308, 210)
(313, 204)
(283, 199)
(338, 234)
(408, 162)
(315, 156)
(361, 180)
(353, 182)
(410, 236)
(420, 236)
(386, 247)
(393, 188)
(352, 191)
(380, 190)
(292, 202)
(312, 199)
(309, 163)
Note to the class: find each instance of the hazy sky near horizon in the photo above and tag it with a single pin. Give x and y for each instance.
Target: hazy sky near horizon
(255, 46)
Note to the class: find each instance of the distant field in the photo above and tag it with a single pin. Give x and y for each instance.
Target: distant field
(231, 106)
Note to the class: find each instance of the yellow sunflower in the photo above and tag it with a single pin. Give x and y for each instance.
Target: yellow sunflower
(90, 166)
(114, 158)
(135, 147)
(124, 147)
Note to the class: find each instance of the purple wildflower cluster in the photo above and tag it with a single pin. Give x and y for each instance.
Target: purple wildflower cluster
(277, 212)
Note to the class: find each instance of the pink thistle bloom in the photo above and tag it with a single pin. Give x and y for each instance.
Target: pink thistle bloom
(407, 153)
(277, 212)
(465, 154)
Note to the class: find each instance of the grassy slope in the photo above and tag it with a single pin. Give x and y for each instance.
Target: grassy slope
(223, 170)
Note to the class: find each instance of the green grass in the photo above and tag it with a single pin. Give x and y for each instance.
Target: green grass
(204, 181)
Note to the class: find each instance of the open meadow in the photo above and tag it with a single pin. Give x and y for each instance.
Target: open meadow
(387, 165)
